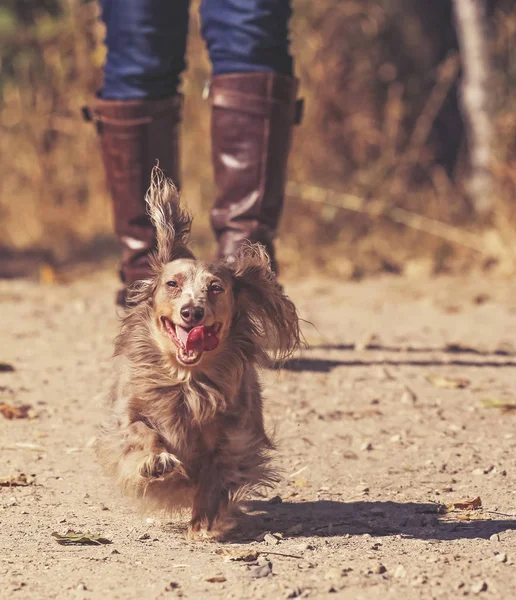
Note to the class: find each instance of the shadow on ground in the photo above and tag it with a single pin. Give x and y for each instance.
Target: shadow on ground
(322, 365)
(327, 518)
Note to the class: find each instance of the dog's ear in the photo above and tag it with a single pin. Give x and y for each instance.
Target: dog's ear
(172, 224)
(261, 304)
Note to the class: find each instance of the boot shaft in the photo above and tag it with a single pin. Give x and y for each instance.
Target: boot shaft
(134, 136)
(251, 129)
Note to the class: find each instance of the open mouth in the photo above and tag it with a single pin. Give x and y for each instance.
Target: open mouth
(192, 342)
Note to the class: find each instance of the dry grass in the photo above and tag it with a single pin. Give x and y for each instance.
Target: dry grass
(366, 142)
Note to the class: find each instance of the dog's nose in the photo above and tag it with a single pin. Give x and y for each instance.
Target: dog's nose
(192, 314)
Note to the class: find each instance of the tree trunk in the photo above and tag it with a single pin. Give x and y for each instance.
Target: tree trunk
(470, 16)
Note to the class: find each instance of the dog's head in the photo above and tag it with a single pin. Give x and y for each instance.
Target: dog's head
(199, 308)
(193, 308)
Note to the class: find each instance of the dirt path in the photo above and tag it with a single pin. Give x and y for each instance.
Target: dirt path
(368, 446)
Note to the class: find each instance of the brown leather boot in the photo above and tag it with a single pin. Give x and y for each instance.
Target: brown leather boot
(134, 135)
(251, 126)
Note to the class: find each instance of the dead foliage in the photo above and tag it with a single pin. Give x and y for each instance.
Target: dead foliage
(73, 538)
(375, 172)
(10, 412)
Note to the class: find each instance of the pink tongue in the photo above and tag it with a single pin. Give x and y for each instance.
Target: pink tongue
(202, 339)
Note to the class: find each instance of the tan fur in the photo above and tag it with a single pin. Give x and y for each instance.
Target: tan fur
(180, 436)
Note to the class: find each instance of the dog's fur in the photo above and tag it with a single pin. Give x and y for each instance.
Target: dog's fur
(193, 436)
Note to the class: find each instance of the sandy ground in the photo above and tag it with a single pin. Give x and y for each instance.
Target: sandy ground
(369, 449)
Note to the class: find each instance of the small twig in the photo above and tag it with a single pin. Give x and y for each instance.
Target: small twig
(298, 472)
(340, 524)
(470, 19)
(447, 75)
(281, 554)
(501, 514)
(408, 218)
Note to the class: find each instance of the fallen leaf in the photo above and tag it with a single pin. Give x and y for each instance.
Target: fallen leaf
(504, 405)
(447, 382)
(216, 579)
(466, 504)
(238, 554)
(300, 483)
(15, 412)
(6, 368)
(472, 516)
(72, 538)
(20, 480)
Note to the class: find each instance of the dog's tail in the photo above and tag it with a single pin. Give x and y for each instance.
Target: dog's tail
(171, 222)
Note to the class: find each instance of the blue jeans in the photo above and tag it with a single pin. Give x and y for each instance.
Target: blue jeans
(146, 42)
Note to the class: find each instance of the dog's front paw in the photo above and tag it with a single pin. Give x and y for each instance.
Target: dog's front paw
(159, 465)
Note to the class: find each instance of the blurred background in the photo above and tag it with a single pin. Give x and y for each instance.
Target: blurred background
(378, 172)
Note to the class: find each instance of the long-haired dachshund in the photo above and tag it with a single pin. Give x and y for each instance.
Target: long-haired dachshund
(185, 423)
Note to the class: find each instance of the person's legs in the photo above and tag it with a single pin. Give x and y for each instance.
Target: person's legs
(146, 43)
(253, 95)
(137, 113)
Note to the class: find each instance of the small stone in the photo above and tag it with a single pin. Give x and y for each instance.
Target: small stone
(379, 569)
(400, 572)
(477, 588)
(333, 573)
(115, 552)
(261, 570)
(81, 588)
(303, 547)
(366, 447)
(145, 536)
(408, 396)
(295, 529)
(501, 557)
(494, 538)
(270, 540)
(173, 585)
(216, 579)
(275, 500)
(294, 592)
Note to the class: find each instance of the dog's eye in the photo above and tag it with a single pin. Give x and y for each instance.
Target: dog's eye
(215, 289)
(172, 284)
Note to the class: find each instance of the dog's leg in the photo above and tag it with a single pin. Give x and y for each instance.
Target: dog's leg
(210, 505)
(155, 461)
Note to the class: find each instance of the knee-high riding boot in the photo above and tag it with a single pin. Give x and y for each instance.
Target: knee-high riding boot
(134, 135)
(251, 127)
